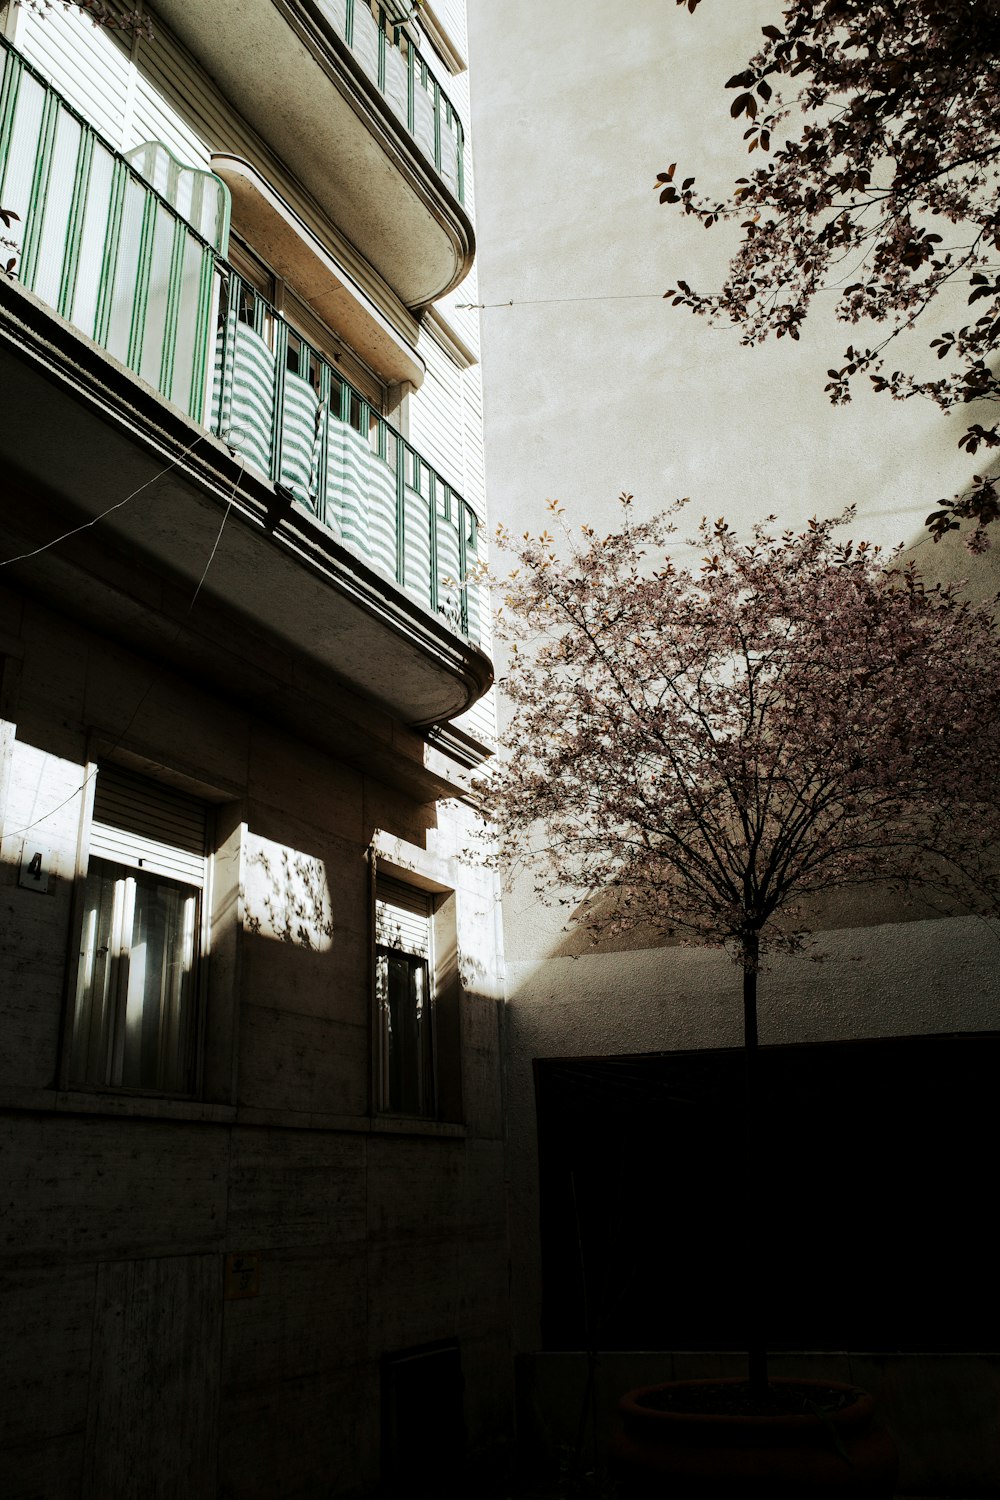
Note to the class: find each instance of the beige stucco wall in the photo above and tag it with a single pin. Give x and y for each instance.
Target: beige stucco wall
(618, 390)
(594, 384)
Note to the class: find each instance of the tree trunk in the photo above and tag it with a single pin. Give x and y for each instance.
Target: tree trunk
(756, 1316)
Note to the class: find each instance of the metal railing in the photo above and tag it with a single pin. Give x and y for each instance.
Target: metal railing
(118, 260)
(287, 409)
(399, 71)
(100, 245)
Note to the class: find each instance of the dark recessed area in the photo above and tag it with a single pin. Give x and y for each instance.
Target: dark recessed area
(875, 1164)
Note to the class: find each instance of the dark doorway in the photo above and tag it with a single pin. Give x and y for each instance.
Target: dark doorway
(423, 1424)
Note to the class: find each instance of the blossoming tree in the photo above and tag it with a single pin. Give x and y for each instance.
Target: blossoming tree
(875, 181)
(705, 750)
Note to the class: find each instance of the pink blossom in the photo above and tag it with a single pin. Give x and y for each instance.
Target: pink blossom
(702, 748)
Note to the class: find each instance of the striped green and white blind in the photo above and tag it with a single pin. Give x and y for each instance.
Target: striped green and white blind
(98, 244)
(381, 514)
(417, 544)
(248, 397)
(348, 462)
(299, 438)
(201, 198)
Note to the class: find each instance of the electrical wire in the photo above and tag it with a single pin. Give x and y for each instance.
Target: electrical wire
(544, 301)
(625, 297)
(161, 670)
(23, 556)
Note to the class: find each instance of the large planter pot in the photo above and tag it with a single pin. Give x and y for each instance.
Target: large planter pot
(702, 1456)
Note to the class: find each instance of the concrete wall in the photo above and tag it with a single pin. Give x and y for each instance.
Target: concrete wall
(128, 1364)
(593, 384)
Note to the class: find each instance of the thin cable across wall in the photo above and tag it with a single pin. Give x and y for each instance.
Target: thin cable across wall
(160, 671)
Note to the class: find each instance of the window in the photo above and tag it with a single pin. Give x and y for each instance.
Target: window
(135, 1023)
(404, 999)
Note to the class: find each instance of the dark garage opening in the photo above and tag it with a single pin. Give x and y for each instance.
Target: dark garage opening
(877, 1164)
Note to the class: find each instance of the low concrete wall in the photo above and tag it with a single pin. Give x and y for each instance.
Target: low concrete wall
(943, 1409)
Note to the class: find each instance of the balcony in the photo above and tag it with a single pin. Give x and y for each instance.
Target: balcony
(388, 58)
(342, 94)
(357, 546)
(292, 415)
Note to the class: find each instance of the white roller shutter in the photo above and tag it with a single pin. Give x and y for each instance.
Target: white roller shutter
(147, 826)
(402, 917)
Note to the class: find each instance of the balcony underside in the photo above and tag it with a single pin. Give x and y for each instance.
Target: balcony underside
(298, 85)
(79, 430)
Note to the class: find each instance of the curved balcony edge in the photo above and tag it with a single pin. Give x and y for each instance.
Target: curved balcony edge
(299, 85)
(81, 427)
(293, 251)
(396, 140)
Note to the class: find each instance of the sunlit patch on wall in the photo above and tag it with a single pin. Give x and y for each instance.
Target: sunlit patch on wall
(287, 895)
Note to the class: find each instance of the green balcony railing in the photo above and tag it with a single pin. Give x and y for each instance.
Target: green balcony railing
(292, 415)
(130, 249)
(399, 71)
(122, 262)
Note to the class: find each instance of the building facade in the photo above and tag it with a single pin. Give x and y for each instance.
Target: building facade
(254, 1225)
(619, 1130)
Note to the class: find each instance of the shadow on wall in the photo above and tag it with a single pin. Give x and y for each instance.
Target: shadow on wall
(830, 912)
(950, 561)
(287, 896)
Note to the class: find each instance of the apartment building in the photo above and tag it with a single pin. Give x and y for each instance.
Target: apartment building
(254, 1234)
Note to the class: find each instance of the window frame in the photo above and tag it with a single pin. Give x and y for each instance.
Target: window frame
(426, 1067)
(119, 967)
(408, 865)
(215, 1074)
(105, 989)
(307, 324)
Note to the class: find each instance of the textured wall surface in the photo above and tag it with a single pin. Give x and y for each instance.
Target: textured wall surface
(594, 384)
(371, 1235)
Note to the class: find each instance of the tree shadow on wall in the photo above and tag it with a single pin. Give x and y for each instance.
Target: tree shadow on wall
(286, 897)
